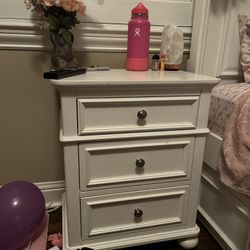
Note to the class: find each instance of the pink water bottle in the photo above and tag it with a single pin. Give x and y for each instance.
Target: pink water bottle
(138, 39)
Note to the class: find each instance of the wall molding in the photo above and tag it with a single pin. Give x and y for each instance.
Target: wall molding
(198, 36)
(52, 191)
(214, 49)
(232, 76)
(23, 34)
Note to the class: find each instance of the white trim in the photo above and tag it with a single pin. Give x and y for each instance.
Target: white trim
(216, 232)
(217, 227)
(203, 39)
(198, 36)
(230, 73)
(231, 76)
(212, 177)
(52, 191)
(115, 11)
(212, 150)
(24, 34)
(216, 55)
(119, 11)
(223, 38)
(130, 135)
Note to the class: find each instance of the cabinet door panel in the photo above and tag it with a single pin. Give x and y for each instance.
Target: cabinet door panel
(111, 214)
(137, 161)
(116, 115)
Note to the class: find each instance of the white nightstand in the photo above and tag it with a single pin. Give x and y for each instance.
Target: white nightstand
(133, 149)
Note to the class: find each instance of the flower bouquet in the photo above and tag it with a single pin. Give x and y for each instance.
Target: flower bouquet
(59, 16)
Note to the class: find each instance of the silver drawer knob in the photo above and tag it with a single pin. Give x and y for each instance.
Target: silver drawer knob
(140, 163)
(138, 213)
(142, 114)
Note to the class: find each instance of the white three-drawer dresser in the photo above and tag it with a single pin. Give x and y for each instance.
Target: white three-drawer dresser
(133, 149)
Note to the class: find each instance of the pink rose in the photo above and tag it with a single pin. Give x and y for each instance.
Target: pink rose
(48, 3)
(70, 5)
(82, 8)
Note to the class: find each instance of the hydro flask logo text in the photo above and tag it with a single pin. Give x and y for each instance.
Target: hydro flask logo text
(137, 32)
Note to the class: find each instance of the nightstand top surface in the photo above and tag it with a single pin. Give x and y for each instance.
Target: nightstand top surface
(118, 77)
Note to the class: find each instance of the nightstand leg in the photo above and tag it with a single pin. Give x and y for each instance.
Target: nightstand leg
(188, 243)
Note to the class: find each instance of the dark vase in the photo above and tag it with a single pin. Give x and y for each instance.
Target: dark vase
(62, 54)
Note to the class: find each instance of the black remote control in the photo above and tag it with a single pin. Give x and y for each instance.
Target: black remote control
(58, 74)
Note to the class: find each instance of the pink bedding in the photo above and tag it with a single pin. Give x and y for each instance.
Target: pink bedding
(230, 118)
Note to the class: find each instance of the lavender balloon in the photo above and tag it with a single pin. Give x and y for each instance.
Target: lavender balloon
(22, 209)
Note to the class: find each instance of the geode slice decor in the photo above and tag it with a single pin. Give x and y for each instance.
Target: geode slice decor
(172, 46)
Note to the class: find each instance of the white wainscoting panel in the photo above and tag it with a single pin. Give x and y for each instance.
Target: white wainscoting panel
(23, 34)
(215, 48)
(103, 27)
(161, 12)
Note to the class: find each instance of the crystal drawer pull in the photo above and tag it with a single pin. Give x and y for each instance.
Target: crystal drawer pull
(140, 163)
(142, 114)
(138, 213)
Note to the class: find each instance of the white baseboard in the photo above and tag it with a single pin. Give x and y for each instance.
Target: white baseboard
(52, 191)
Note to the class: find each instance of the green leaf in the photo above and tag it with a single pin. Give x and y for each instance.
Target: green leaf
(60, 31)
(60, 19)
(53, 23)
(66, 35)
(66, 22)
(34, 2)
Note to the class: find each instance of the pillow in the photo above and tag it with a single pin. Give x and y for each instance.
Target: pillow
(244, 31)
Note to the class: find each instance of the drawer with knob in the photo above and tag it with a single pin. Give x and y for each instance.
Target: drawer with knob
(119, 163)
(116, 115)
(139, 210)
